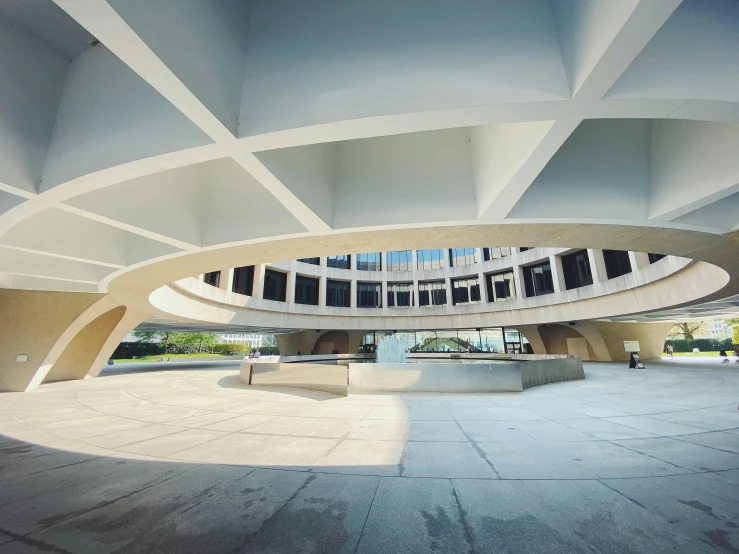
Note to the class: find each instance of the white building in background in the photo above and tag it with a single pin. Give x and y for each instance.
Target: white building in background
(717, 328)
(254, 341)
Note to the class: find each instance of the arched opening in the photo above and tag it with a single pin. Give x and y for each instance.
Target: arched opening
(80, 354)
(561, 339)
(332, 341)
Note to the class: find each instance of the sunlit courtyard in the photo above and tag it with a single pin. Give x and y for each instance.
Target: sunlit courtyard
(625, 460)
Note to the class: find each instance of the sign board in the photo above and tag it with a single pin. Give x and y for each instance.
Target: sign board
(635, 361)
(631, 346)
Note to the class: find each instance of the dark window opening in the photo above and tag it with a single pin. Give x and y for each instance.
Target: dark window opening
(243, 280)
(400, 295)
(312, 261)
(655, 257)
(465, 291)
(369, 295)
(538, 279)
(338, 293)
(213, 278)
(275, 285)
(306, 290)
(500, 286)
(432, 293)
(617, 263)
(576, 269)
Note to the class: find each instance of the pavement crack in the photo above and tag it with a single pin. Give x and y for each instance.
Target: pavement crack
(479, 450)
(621, 494)
(366, 518)
(463, 519)
(37, 544)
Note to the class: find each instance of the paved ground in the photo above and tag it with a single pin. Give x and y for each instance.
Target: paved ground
(193, 461)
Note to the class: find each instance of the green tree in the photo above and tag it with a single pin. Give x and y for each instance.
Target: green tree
(686, 329)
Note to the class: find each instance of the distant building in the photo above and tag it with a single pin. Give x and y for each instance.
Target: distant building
(716, 328)
(254, 341)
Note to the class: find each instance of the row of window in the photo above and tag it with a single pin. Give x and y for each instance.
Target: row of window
(402, 260)
(465, 290)
(537, 279)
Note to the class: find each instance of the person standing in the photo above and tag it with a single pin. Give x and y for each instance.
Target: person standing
(670, 350)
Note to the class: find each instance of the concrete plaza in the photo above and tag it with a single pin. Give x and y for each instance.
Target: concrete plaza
(191, 460)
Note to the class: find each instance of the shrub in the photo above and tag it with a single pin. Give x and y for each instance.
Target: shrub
(704, 345)
(230, 349)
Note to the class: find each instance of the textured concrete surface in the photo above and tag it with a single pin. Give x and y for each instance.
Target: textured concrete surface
(194, 461)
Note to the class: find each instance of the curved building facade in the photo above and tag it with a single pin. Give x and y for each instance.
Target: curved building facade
(444, 298)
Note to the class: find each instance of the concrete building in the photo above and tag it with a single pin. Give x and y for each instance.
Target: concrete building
(253, 341)
(142, 144)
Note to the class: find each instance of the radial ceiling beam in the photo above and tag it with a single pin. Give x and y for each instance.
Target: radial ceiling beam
(627, 42)
(127, 227)
(103, 22)
(509, 190)
(603, 37)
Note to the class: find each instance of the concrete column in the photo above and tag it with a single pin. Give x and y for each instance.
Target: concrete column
(290, 288)
(518, 281)
(448, 285)
(483, 287)
(414, 270)
(353, 293)
(322, 285)
(558, 277)
(638, 260)
(259, 280)
(597, 265)
(226, 280)
(383, 261)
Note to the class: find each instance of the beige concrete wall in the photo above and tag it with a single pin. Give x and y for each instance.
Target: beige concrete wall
(651, 337)
(81, 353)
(554, 338)
(38, 324)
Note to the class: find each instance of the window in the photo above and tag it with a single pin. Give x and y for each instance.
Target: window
(496, 252)
(655, 257)
(275, 285)
(432, 293)
(617, 263)
(400, 295)
(465, 291)
(369, 295)
(500, 286)
(312, 261)
(342, 261)
(538, 279)
(430, 259)
(243, 280)
(338, 293)
(524, 248)
(369, 262)
(462, 256)
(576, 269)
(213, 278)
(306, 290)
(400, 261)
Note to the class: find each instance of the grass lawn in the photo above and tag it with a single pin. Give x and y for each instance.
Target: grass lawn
(697, 354)
(172, 357)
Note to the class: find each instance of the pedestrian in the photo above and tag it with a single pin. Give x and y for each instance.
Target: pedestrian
(670, 350)
(257, 354)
